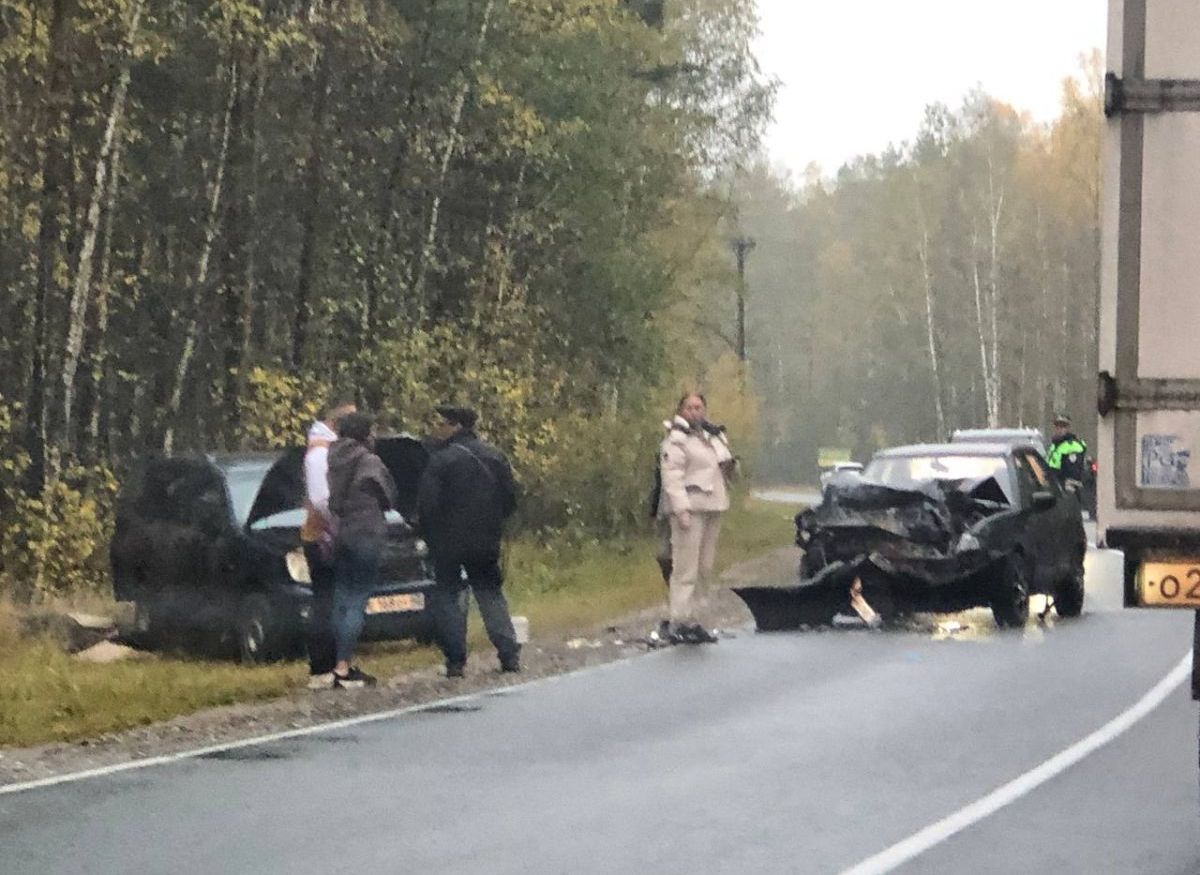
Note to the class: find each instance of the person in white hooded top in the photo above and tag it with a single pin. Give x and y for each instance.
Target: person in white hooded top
(696, 464)
(320, 645)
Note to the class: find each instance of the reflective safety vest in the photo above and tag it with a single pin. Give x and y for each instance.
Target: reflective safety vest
(1070, 450)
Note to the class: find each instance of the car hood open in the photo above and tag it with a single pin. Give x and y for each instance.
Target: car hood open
(283, 486)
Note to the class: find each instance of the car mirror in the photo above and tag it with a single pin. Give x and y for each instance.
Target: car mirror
(1044, 500)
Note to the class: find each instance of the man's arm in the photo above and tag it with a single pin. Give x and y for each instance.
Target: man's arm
(508, 489)
(429, 495)
(389, 495)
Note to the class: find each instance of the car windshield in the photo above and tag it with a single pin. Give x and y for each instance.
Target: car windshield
(244, 481)
(908, 472)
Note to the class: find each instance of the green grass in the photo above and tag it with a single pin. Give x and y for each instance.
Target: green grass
(45, 695)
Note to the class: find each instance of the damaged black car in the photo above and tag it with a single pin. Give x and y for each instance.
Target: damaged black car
(935, 528)
(208, 549)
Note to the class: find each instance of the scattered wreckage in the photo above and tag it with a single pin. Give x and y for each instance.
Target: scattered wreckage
(934, 528)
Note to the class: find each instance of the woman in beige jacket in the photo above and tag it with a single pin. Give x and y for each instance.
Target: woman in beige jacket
(696, 464)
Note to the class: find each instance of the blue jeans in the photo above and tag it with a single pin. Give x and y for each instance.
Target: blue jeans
(355, 577)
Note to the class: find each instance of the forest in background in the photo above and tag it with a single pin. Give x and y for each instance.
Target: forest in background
(950, 282)
(216, 213)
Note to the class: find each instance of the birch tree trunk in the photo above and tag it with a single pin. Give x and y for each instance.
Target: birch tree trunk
(460, 101)
(995, 211)
(100, 382)
(930, 328)
(191, 335)
(1040, 330)
(980, 325)
(308, 240)
(55, 174)
(105, 165)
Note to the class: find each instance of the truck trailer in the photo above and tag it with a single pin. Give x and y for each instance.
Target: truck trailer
(1148, 397)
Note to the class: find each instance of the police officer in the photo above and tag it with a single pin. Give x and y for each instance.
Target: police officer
(1067, 454)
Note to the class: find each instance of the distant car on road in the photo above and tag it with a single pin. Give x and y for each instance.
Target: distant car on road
(832, 472)
(208, 548)
(939, 528)
(1031, 436)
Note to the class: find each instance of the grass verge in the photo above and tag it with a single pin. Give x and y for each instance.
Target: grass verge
(45, 695)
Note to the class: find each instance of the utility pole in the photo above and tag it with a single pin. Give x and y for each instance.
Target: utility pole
(742, 246)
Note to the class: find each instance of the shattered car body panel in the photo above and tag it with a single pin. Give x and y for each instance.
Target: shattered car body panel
(927, 544)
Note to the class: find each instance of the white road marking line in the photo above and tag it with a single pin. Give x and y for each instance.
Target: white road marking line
(301, 732)
(900, 853)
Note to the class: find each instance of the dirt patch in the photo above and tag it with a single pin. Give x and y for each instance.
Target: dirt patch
(542, 657)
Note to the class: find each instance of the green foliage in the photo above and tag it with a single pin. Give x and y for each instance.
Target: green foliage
(278, 407)
(495, 201)
(56, 543)
(974, 250)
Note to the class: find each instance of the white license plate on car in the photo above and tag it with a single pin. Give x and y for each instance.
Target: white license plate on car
(393, 604)
(1173, 583)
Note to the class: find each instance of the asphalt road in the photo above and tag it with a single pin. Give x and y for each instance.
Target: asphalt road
(794, 752)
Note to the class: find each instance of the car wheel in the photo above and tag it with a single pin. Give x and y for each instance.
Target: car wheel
(255, 629)
(1068, 595)
(1010, 598)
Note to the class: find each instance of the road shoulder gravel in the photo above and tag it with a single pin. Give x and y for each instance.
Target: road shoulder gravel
(542, 657)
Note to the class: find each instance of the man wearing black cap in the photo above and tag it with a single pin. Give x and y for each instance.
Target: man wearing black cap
(1066, 454)
(466, 493)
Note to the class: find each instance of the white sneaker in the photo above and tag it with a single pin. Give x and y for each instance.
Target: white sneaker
(321, 681)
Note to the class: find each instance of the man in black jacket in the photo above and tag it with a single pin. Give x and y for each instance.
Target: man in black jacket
(466, 493)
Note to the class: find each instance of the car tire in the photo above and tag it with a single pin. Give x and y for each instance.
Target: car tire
(256, 630)
(1010, 596)
(1068, 595)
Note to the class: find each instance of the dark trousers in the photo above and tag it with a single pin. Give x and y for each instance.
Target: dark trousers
(320, 612)
(448, 605)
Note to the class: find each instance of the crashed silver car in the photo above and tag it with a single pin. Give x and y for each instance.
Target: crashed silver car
(935, 528)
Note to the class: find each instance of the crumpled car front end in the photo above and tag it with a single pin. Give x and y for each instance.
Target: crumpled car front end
(886, 551)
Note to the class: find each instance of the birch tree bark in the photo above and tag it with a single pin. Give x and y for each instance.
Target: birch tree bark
(930, 328)
(55, 174)
(106, 164)
(452, 138)
(191, 334)
(308, 240)
(100, 379)
(995, 212)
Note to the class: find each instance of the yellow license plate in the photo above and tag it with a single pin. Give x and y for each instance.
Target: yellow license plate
(1169, 584)
(391, 604)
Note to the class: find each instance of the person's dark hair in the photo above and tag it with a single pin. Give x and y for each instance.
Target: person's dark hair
(461, 416)
(355, 426)
(683, 398)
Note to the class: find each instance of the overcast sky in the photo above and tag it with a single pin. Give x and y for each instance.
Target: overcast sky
(857, 74)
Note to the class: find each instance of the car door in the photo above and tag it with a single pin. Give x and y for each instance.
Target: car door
(1068, 540)
(1055, 524)
(1039, 524)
